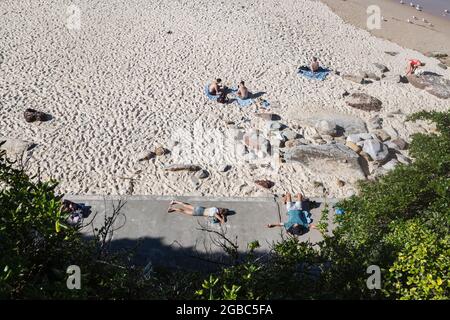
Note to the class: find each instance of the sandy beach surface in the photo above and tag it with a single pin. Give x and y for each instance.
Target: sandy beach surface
(131, 76)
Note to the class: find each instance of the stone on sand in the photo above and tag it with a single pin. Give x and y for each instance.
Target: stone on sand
(376, 150)
(363, 101)
(432, 83)
(400, 143)
(381, 67)
(182, 167)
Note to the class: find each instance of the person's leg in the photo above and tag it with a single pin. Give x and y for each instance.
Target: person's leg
(181, 210)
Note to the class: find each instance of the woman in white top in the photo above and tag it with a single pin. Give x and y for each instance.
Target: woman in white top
(218, 214)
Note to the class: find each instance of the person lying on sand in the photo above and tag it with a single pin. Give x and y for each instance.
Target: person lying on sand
(295, 225)
(242, 91)
(314, 65)
(413, 65)
(217, 214)
(215, 87)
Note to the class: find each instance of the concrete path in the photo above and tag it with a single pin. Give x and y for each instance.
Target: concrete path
(175, 240)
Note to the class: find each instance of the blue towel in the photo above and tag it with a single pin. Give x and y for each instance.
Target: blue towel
(242, 102)
(209, 95)
(320, 74)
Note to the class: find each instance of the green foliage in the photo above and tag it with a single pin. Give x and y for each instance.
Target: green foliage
(421, 270)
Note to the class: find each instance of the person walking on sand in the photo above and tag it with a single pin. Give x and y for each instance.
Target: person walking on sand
(297, 223)
(217, 214)
(215, 87)
(242, 92)
(413, 65)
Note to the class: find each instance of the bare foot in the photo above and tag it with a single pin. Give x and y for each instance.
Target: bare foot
(170, 210)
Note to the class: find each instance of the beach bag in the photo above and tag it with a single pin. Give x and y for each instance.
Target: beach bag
(222, 98)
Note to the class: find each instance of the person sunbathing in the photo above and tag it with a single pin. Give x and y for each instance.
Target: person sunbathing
(242, 92)
(297, 224)
(215, 87)
(217, 214)
(413, 65)
(314, 65)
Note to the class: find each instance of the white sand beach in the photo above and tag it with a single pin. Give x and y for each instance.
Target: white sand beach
(132, 78)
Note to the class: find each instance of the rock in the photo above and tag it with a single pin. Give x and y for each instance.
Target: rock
(354, 138)
(400, 143)
(230, 123)
(202, 174)
(172, 144)
(255, 141)
(195, 181)
(289, 134)
(362, 74)
(436, 54)
(15, 147)
(382, 135)
(353, 146)
(381, 67)
(375, 123)
(145, 156)
(268, 116)
(325, 158)
(265, 183)
(363, 102)
(225, 168)
(160, 151)
(366, 156)
(325, 127)
(340, 183)
(376, 150)
(431, 83)
(391, 53)
(402, 159)
(390, 165)
(317, 184)
(402, 79)
(32, 115)
(345, 93)
(273, 126)
(182, 167)
(354, 78)
(373, 76)
(294, 143)
(343, 124)
(442, 66)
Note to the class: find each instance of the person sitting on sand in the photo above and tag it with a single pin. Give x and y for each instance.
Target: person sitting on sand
(217, 214)
(297, 224)
(314, 65)
(242, 92)
(413, 65)
(215, 87)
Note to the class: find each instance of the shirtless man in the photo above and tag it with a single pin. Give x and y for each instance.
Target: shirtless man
(242, 91)
(413, 64)
(215, 88)
(314, 65)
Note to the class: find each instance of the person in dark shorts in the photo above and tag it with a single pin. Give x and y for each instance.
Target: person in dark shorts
(217, 214)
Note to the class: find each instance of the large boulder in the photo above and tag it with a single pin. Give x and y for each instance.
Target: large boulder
(326, 158)
(343, 124)
(431, 83)
(376, 150)
(381, 67)
(363, 102)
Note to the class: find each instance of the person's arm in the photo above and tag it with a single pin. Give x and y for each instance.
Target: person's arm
(313, 226)
(272, 225)
(221, 220)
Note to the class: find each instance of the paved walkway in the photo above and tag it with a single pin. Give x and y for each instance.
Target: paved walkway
(173, 239)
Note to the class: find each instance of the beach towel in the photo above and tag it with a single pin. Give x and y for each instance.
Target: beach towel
(320, 74)
(209, 95)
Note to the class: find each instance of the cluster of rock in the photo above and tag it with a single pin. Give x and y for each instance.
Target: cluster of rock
(431, 83)
(365, 77)
(441, 56)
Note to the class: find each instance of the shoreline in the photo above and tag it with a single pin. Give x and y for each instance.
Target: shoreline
(418, 35)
